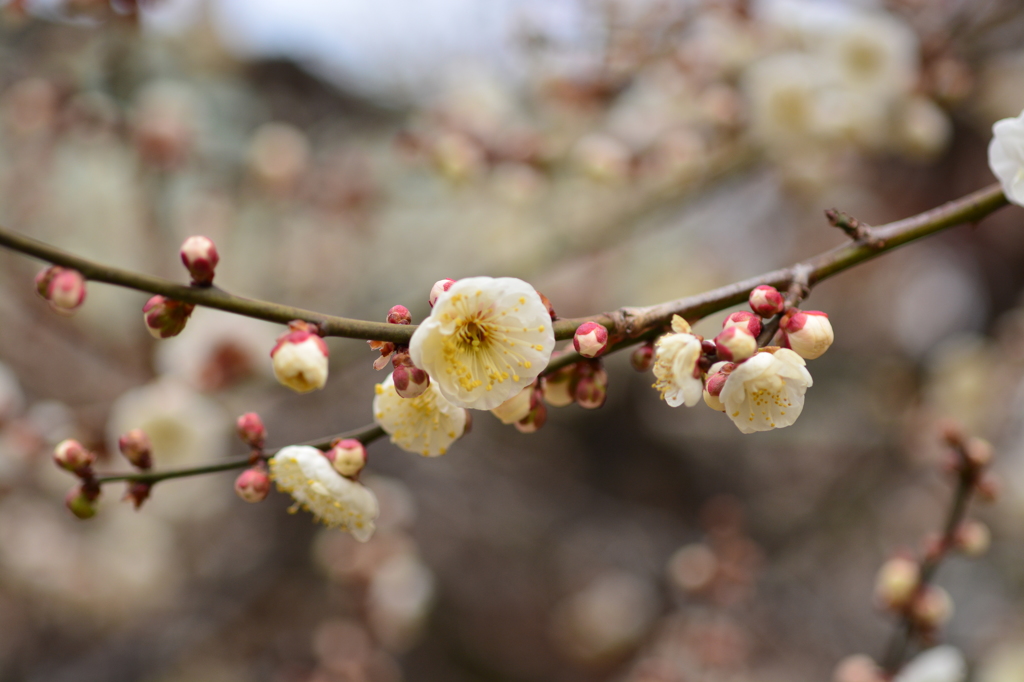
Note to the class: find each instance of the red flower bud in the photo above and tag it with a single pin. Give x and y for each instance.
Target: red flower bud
(643, 357)
(66, 291)
(136, 448)
(165, 317)
(399, 314)
(72, 455)
(251, 430)
(735, 344)
(200, 257)
(766, 301)
(590, 340)
(253, 485)
(410, 381)
(743, 319)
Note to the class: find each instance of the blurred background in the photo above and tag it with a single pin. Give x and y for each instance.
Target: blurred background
(344, 156)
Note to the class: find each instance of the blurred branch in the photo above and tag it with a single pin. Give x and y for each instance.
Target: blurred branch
(365, 435)
(630, 323)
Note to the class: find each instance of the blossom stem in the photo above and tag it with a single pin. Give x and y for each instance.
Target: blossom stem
(632, 323)
(365, 435)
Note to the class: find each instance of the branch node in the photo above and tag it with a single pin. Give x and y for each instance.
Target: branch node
(854, 229)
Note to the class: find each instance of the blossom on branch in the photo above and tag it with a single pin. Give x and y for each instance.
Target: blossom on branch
(304, 472)
(807, 332)
(300, 358)
(426, 424)
(1006, 157)
(485, 340)
(767, 391)
(675, 365)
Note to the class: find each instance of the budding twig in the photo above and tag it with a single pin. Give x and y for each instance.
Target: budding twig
(854, 228)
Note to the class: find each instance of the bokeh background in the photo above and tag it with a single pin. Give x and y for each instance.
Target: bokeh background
(345, 155)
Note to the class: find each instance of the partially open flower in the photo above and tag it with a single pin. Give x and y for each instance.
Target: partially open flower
(1006, 157)
(304, 473)
(735, 344)
(675, 366)
(807, 332)
(767, 391)
(136, 448)
(766, 301)
(485, 340)
(165, 317)
(253, 485)
(66, 291)
(347, 456)
(300, 359)
(590, 340)
(426, 425)
(200, 257)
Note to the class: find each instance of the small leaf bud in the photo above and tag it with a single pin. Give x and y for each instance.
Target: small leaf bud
(517, 407)
(735, 344)
(300, 358)
(66, 291)
(807, 332)
(399, 314)
(137, 493)
(440, 286)
(973, 538)
(932, 607)
(592, 385)
(253, 485)
(251, 430)
(348, 457)
(81, 503)
(643, 357)
(410, 381)
(590, 340)
(136, 448)
(165, 317)
(896, 582)
(72, 455)
(200, 257)
(766, 301)
(744, 319)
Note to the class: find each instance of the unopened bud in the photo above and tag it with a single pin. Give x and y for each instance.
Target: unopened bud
(807, 332)
(43, 279)
(745, 320)
(590, 340)
(559, 387)
(713, 401)
(932, 607)
(66, 291)
(300, 358)
(72, 455)
(717, 378)
(592, 385)
(643, 357)
(988, 487)
(81, 503)
(136, 448)
(537, 415)
(897, 582)
(440, 286)
(251, 430)
(200, 256)
(735, 344)
(348, 457)
(253, 485)
(857, 668)
(165, 317)
(973, 538)
(517, 407)
(766, 301)
(399, 314)
(137, 493)
(978, 451)
(410, 381)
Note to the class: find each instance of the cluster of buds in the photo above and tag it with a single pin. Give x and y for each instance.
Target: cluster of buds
(526, 410)
(63, 288)
(165, 317)
(253, 484)
(410, 380)
(584, 383)
(72, 456)
(738, 340)
(300, 358)
(398, 314)
(200, 258)
(899, 589)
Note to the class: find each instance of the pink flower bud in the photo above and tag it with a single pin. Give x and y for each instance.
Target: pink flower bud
(536, 417)
(410, 381)
(735, 344)
(744, 319)
(766, 301)
(66, 291)
(300, 358)
(165, 317)
(43, 279)
(643, 357)
(348, 457)
(81, 502)
(137, 493)
(136, 448)
(200, 257)
(590, 340)
(932, 607)
(592, 385)
(253, 485)
(896, 582)
(72, 455)
(399, 314)
(973, 538)
(251, 430)
(716, 380)
(440, 286)
(559, 387)
(807, 332)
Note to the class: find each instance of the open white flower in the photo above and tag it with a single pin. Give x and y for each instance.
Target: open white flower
(305, 473)
(426, 424)
(486, 339)
(1006, 157)
(675, 366)
(767, 391)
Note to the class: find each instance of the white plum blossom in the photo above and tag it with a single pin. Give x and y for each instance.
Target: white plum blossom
(940, 664)
(767, 391)
(1006, 157)
(675, 365)
(305, 473)
(807, 332)
(485, 340)
(426, 424)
